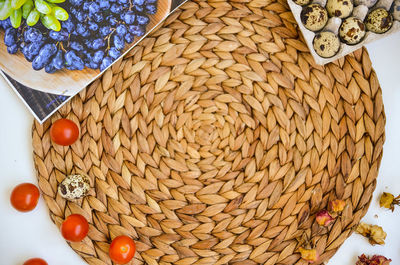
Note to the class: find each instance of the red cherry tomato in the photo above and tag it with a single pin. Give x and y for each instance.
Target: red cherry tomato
(24, 197)
(35, 261)
(122, 249)
(64, 132)
(75, 228)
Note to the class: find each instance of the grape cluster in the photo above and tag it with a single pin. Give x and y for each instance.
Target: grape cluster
(93, 36)
(47, 11)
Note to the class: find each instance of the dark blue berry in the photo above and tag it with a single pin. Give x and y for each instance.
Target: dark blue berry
(49, 68)
(137, 30)
(105, 31)
(93, 26)
(13, 49)
(129, 17)
(27, 54)
(32, 35)
(89, 44)
(142, 19)
(73, 61)
(139, 9)
(94, 7)
(6, 24)
(31, 50)
(73, 10)
(86, 6)
(104, 4)
(98, 43)
(76, 2)
(98, 56)
(70, 67)
(61, 35)
(45, 53)
(76, 46)
(80, 16)
(119, 43)
(10, 37)
(58, 60)
(151, 9)
(82, 30)
(92, 65)
(98, 17)
(138, 2)
(116, 9)
(68, 25)
(121, 30)
(129, 37)
(105, 63)
(112, 21)
(114, 53)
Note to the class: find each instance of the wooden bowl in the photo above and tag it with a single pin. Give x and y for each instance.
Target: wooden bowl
(64, 82)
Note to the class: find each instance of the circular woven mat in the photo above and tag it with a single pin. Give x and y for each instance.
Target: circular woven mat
(217, 139)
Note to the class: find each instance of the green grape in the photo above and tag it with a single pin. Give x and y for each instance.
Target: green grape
(16, 18)
(27, 8)
(16, 4)
(56, 1)
(43, 7)
(60, 13)
(6, 10)
(50, 22)
(33, 17)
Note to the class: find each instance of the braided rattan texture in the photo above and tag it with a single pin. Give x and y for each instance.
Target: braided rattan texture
(217, 139)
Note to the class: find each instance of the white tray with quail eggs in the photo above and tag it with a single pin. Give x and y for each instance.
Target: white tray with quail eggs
(335, 28)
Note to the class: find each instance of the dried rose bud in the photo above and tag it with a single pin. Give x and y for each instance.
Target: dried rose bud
(374, 233)
(386, 200)
(324, 218)
(389, 201)
(380, 260)
(309, 255)
(374, 260)
(337, 205)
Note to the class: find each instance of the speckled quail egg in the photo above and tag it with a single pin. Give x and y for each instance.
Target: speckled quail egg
(74, 187)
(302, 2)
(326, 44)
(314, 17)
(379, 20)
(339, 8)
(367, 3)
(396, 9)
(352, 30)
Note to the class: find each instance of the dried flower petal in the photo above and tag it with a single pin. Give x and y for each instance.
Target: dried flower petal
(377, 236)
(337, 205)
(374, 233)
(374, 260)
(309, 255)
(324, 218)
(388, 201)
(363, 229)
(380, 260)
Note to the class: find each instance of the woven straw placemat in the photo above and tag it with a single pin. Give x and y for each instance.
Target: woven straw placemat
(216, 141)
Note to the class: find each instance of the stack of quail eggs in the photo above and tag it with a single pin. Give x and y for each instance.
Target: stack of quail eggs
(334, 28)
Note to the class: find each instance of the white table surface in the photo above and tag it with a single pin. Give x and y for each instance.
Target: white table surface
(26, 235)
